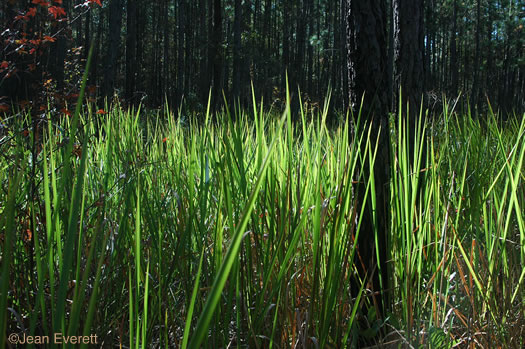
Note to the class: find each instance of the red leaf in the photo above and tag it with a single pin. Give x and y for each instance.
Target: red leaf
(40, 2)
(96, 2)
(102, 111)
(49, 38)
(4, 65)
(4, 107)
(58, 2)
(56, 11)
(65, 111)
(164, 139)
(31, 12)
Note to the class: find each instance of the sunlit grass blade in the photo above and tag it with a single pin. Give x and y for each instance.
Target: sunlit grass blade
(231, 255)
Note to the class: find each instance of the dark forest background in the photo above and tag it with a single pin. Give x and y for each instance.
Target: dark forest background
(170, 50)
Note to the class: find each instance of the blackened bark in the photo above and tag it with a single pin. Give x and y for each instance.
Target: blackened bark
(208, 77)
(217, 52)
(409, 75)
(131, 43)
(429, 41)
(166, 75)
(390, 62)
(298, 78)
(367, 74)
(180, 50)
(286, 42)
(343, 53)
(115, 23)
(237, 49)
(310, 50)
(140, 84)
(475, 85)
(408, 51)
(367, 61)
(453, 53)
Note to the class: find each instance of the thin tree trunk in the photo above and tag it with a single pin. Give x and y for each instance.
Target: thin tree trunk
(115, 22)
(301, 33)
(475, 85)
(453, 53)
(165, 78)
(237, 49)
(217, 51)
(343, 53)
(131, 43)
(286, 42)
(180, 50)
(390, 62)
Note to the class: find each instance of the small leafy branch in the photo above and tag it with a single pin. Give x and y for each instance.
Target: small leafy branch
(27, 42)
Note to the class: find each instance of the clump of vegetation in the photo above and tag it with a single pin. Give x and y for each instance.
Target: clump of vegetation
(154, 233)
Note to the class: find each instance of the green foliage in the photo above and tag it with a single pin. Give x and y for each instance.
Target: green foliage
(154, 232)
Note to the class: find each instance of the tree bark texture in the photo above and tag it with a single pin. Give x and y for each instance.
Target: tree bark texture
(115, 23)
(408, 51)
(131, 49)
(237, 63)
(367, 74)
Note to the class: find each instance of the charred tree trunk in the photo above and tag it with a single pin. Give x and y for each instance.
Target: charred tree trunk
(409, 75)
(453, 53)
(237, 63)
(475, 84)
(367, 74)
(115, 23)
(343, 53)
(180, 34)
(408, 55)
(166, 71)
(286, 43)
(131, 47)
(217, 52)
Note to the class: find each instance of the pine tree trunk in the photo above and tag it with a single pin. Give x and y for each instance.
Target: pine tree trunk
(453, 54)
(115, 22)
(237, 49)
(367, 74)
(131, 47)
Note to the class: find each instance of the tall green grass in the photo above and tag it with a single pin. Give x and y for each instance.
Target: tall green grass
(240, 230)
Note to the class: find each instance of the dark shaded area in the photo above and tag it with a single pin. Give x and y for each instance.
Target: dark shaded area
(151, 52)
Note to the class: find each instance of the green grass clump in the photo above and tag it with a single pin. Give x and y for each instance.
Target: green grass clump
(153, 232)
